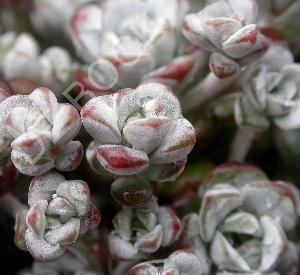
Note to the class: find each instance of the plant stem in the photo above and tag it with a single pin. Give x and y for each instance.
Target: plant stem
(241, 145)
(207, 89)
(11, 205)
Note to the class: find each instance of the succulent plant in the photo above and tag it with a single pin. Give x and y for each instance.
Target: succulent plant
(20, 57)
(142, 231)
(228, 31)
(248, 221)
(143, 38)
(271, 92)
(135, 83)
(139, 131)
(190, 258)
(60, 211)
(40, 131)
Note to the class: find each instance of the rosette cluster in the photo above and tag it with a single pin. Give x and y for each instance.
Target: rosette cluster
(271, 94)
(142, 231)
(60, 212)
(40, 132)
(21, 57)
(134, 36)
(249, 221)
(139, 131)
(228, 31)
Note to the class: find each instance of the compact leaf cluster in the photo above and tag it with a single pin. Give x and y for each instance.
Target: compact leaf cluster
(125, 127)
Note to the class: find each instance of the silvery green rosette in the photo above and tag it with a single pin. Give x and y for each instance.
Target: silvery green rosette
(248, 222)
(270, 93)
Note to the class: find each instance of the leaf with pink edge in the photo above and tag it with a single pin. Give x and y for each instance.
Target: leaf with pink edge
(121, 160)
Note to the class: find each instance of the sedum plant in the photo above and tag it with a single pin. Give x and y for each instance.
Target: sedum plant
(140, 131)
(227, 29)
(249, 221)
(40, 131)
(59, 212)
(143, 38)
(138, 232)
(272, 92)
(150, 112)
(21, 57)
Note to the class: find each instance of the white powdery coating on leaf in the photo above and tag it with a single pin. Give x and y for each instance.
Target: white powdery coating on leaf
(41, 250)
(28, 166)
(184, 263)
(66, 124)
(60, 211)
(70, 156)
(16, 119)
(121, 249)
(43, 187)
(46, 102)
(225, 256)
(177, 144)
(33, 144)
(237, 49)
(217, 204)
(122, 223)
(61, 207)
(151, 241)
(273, 245)
(7, 106)
(100, 120)
(122, 160)
(65, 234)
(39, 124)
(145, 126)
(171, 225)
(86, 27)
(77, 193)
(167, 102)
(226, 27)
(36, 218)
(146, 134)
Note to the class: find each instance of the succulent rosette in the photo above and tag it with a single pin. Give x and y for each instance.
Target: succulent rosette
(248, 221)
(142, 231)
(139, 131)
(40, 132)
(21, 57)
(190, 258)
(271, 93)
(60, 212)
(228, 31)
(142, 37)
